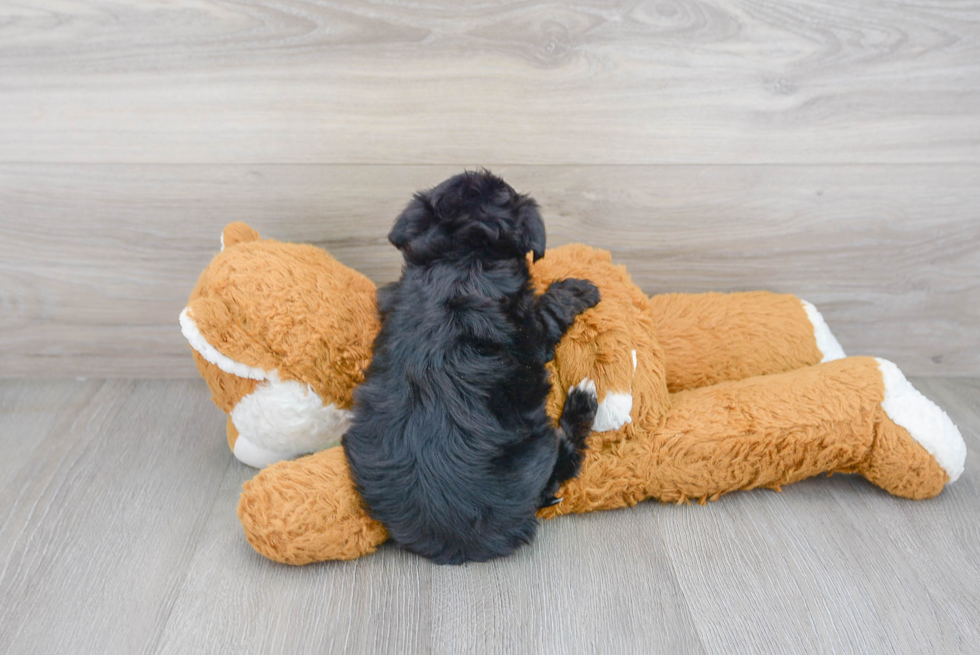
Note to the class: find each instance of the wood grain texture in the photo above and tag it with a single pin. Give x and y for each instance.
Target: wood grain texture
(98, 526)
(118, 534)
(504, 81)
(821, 147)
(97, 261)
(599, 583)
(540, 601)
(824, 581)
(235, 600)
(825, 148)
(29, 410)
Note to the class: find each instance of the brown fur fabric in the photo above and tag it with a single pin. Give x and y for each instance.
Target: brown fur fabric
(727, 392)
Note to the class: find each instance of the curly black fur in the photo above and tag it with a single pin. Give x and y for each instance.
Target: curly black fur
(450, 445)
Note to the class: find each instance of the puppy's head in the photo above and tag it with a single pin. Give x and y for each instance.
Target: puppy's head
(474, 212)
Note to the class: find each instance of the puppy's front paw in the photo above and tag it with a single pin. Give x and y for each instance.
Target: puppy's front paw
(578, 414)
(586, 293)
(579, 294)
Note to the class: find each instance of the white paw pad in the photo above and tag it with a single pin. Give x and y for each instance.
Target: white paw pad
(924, 420)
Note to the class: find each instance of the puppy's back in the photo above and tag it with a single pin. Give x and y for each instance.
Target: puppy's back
(444, 476)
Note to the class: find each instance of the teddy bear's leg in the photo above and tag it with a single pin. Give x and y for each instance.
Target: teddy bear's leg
(715, 337)
(896, 463)
(856, 415)
(853, 415)
(308, 510)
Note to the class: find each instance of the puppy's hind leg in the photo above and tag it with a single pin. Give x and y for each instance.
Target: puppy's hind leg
(574, 426)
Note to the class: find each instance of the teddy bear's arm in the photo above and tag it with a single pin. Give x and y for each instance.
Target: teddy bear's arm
(612, 344)
(714, 337)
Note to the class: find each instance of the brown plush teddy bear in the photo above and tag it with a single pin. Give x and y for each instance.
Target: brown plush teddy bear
(700, 394)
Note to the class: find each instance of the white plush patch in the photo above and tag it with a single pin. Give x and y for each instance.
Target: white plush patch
(927, 423)
(258, 457)
(826, 341)
(222, 242)
(614, 412)
(194, 337)
(288, 417)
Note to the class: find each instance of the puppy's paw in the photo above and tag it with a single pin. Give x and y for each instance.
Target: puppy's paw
(578, 414)
(581, 294)
(586, 292)
(550, 501)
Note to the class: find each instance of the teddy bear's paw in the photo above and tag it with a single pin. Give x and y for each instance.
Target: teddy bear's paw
(923, 419)
(829, 347)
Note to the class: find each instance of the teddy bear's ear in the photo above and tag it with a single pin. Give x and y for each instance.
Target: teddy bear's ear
(237, 233)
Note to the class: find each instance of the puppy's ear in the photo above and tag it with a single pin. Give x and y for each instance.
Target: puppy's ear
(412, 222)
(532, 229)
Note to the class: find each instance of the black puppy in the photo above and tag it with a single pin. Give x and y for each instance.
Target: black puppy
(449, 444)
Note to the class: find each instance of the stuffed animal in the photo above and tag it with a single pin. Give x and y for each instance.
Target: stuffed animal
(699, 394)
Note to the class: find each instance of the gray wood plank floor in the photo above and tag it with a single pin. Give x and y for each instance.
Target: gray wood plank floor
(118, 535)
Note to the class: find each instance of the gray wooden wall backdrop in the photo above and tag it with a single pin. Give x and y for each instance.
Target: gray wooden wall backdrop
(828, 148)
